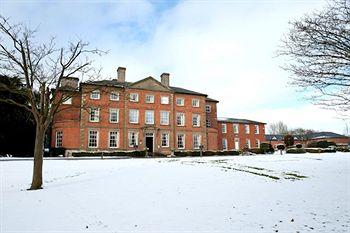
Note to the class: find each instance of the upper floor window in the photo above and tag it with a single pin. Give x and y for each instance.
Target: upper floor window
(224, 128)
(66, 99)
(196, 141)
(256, 129)
(164, 117)
(94, 115)
(149, 99)
(134, 97)
(59, 137)
(93, 139)
(208, 123)
(235, 128)
(195, 103)
(133, 116)
(246, 128)
(164, 99)
(114, 96)
(180, 119)
(113, 115)
(149, 117)
(196, 120)
(95, 95)
(207, 108)
(180, 101)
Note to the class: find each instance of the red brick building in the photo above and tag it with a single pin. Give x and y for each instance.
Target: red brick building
(112, 115)
(237, 134)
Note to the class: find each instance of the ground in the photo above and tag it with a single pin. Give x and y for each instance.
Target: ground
(270, 193)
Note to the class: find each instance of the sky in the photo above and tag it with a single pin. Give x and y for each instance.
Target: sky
(224, 48)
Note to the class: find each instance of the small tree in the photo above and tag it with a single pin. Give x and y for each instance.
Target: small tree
(288, 140)
(42, 67)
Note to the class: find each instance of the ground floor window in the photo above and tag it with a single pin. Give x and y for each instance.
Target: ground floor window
(93, 138)
(247, 143)
(113, 139)
(133, 139)
(59, 137)
(165, 139)
(237, 143)
(181, 141)
(224, 144)
(257, 143)
(196, 141)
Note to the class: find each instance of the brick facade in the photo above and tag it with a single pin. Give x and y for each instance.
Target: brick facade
(73, 122)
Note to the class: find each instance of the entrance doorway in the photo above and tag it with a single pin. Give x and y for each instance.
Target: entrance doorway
(150, 142)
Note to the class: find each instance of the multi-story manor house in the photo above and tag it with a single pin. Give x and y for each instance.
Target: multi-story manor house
(237, 134)
(113, 115)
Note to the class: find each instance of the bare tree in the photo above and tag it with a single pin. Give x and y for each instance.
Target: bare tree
(278, 128)
(318, 51)
(42, 67)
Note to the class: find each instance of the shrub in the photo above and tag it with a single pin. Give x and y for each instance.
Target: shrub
(296, 151)
(55, 152)
(320, 144)
(267, 147)
(257, 150)
(299, 146)
(288, 140)
(281, 147)
(343, 149)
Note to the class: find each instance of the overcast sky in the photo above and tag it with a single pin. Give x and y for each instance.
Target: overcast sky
(223, 48)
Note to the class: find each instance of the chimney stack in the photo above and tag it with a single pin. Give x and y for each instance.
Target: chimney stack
(165, 79)
(121, 74)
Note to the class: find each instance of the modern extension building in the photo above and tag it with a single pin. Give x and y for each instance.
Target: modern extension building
(112, 115)
(237, 134)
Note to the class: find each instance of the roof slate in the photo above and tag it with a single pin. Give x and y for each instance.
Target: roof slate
(318, 135)
(237, 120)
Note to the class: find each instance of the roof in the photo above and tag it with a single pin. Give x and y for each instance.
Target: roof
(115, 83)
(211, 100)
(318, 135)
(237, 120)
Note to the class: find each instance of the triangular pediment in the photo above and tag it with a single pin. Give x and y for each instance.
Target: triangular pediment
(150, 83)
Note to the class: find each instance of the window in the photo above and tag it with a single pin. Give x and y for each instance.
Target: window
(247, 143)
(66, 99)
(257, 143)
(180, 101)
(149, 99)
(94, 115)
(181, 141)
(196, 141)
(59, 136)
(165, 139)
(256, 129)
(93, 138)
(196, 120)
(113, 139)
(237, 143)
(133, 139)
(134, 97)
(133, 116)
(180, 119)
(235, 128)
(114, 96)
(149, 117)
(224, 128)
(246, 128)
(208, 123)
(224, 144)
(195, 103)
(95, 95)
(113, 115)
(207, 108)
(164, 118)
(164, 99)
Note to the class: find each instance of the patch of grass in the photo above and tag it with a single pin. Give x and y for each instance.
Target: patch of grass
(295, 175)
(254, 173)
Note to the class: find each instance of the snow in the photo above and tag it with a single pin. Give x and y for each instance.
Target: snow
(269, 193)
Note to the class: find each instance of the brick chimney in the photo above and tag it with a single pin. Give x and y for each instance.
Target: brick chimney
(165, 79)
(69, 82)
(121, 74)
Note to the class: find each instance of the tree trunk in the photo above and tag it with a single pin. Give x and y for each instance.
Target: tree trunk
(37, 180)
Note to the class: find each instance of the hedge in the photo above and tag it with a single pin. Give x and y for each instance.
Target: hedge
(320, 150)
(296, 151)
(205, 153)
(343, 149)
(138, 154)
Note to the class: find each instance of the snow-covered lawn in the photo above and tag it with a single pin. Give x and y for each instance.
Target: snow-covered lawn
(271, 193)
